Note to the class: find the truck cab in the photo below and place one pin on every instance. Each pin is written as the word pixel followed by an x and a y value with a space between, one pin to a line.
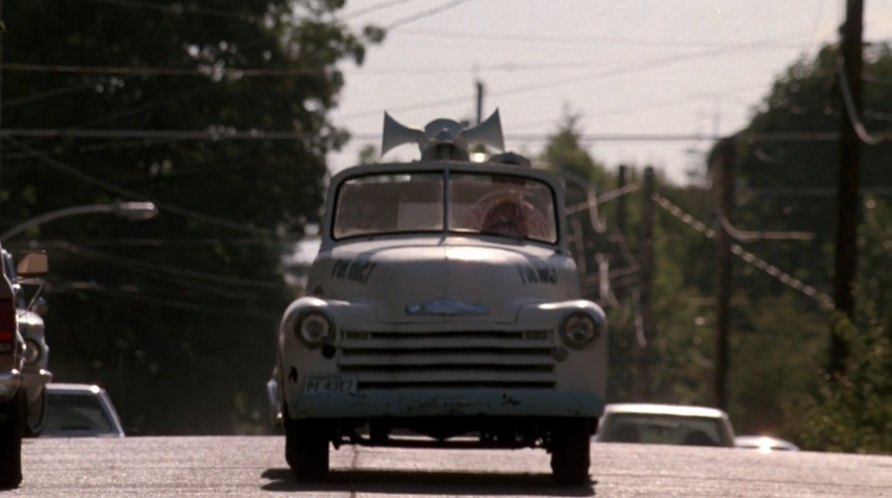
pixel 443 310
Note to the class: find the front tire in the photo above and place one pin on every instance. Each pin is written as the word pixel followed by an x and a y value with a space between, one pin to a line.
pixel 306 449
pixel 11 428
pixel 570 457
pixel 36 416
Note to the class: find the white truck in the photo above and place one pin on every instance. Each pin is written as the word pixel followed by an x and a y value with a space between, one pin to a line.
pixel 442 310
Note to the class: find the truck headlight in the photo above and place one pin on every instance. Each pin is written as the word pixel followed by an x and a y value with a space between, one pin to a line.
pixel 578 330
pixel 313 328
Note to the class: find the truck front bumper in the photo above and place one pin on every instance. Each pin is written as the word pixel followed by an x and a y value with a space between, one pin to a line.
pixel 445 402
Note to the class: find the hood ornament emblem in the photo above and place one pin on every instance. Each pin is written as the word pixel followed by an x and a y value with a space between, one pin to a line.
pixel 446 307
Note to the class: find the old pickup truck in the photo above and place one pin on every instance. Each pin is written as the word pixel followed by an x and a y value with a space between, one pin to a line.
pixel 442 310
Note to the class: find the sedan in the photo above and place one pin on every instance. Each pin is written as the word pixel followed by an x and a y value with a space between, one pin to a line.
pixel 80 410
pixel 665 424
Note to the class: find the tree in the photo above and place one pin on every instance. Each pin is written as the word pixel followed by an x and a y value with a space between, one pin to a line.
pixel 175 315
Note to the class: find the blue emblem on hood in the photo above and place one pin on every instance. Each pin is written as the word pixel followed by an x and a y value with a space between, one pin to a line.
pixel 446 307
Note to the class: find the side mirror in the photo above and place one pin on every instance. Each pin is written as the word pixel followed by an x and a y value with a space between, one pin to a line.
pixel 33 264
pixel 40 306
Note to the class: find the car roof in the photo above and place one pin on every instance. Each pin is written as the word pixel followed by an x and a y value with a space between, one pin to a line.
pixel 68 387
pixel 665 409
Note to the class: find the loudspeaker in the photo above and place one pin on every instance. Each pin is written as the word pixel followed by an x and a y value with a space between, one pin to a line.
pixel 489 132
pixel 396 134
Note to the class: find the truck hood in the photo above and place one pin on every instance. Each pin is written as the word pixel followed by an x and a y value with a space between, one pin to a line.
pixel 432 279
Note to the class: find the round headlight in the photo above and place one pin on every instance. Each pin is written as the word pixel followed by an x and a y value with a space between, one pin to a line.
pixel 314 328
pixel 32 352
pixel 578 330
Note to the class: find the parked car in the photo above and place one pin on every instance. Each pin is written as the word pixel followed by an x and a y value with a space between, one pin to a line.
pixel 665 424
pixel 80 410
pixel 764 444
pixel 35 372
pixel 13 397
pixel 443 302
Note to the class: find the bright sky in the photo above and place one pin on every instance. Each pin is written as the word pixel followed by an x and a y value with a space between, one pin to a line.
pixel 651 67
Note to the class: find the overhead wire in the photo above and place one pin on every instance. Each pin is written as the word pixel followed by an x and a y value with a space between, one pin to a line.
pixel 748 257
pixel 607 73
pixel 852 113
pixel 373 8
pixel 171 270
pixel 123 292
pixel 423 14
pixel 177 9
pixel 116 189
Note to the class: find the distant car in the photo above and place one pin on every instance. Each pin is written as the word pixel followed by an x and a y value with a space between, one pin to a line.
pixel 80 410
pixel 765 444
pixel 665 424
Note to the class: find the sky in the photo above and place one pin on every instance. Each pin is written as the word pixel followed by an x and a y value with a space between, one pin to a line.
pixel 651 68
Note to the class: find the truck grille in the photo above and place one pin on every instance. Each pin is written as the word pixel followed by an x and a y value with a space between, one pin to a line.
pixel 460 359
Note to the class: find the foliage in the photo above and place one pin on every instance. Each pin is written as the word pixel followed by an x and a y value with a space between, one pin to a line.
pixel 852 412
pixel 175 316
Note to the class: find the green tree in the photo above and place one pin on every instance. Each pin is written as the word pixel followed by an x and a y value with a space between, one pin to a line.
pixel 175 316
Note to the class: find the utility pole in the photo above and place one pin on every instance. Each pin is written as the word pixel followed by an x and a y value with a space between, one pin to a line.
pixel 847 200
pixel 479 85
pixel 621 201
pixel 644 329
pixel 723 183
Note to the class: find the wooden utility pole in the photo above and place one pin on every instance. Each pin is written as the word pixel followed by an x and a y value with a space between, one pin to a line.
pixel 644 330
pixel 479 85
pixel 723 184
pixel 848 178
pixel 621 201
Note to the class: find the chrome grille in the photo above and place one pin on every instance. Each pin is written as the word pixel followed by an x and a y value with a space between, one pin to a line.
pixel 448 359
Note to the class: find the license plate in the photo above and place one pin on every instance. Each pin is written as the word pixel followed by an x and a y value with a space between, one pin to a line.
pixel 319 385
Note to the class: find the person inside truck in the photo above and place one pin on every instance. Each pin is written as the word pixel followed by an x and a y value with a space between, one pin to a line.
pixel 507 217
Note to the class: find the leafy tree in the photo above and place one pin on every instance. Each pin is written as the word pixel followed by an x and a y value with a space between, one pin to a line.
pixel 175 316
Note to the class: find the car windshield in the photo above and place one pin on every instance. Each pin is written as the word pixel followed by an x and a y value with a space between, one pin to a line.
pixel 485 203
pixel 662 429
pixel 68 413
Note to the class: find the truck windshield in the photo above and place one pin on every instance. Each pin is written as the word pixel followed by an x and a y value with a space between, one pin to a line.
pixel 512 206
pixel 389 203
pixel 485 203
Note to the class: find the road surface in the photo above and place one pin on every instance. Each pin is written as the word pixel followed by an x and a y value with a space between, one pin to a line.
pixel 255 466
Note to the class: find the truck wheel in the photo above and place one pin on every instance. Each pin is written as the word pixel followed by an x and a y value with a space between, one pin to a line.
pixel 36 415
pixel 306 449
pixel 570 453
pixel 11 442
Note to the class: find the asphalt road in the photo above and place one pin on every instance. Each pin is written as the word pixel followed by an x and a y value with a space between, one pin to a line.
pixel 255 466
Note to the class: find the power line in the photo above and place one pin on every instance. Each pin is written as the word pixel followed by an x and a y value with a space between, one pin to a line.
pixel 166 206
pixel 171 270
pixel 374 8
pixel 176 9
pixel 133 296
pixel 852 112
pixel 619 71
pixel 574 40
pixel 424 14
pixel 209 71
pixel 225 133
pixel 748 257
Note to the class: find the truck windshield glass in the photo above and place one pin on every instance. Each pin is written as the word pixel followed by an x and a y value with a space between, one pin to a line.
pixel 507 205
pixel 389 203
pixel 485 203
